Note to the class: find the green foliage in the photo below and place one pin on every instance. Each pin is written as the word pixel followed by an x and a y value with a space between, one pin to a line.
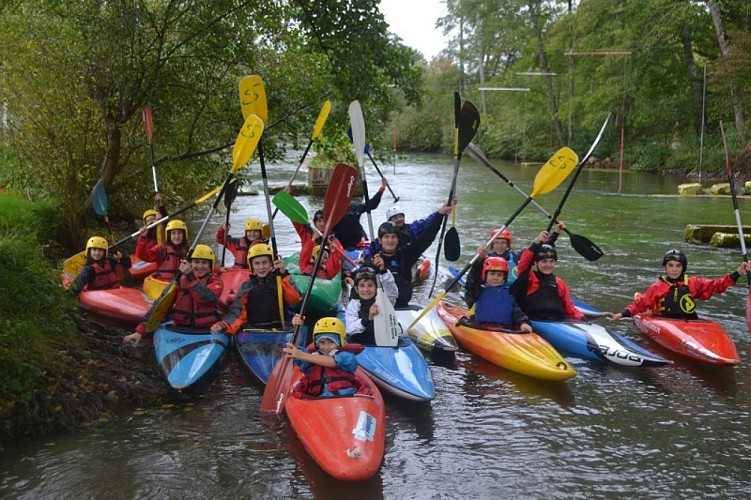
pixel 331 149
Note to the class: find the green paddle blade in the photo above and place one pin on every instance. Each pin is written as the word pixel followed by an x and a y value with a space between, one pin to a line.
pixel 290 207
pixel 99 199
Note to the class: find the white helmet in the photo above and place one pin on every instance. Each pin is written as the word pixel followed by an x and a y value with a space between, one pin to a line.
pixel 393 211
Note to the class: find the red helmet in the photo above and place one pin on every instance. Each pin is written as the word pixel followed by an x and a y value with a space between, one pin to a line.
pixel 504 235
pixel 494 264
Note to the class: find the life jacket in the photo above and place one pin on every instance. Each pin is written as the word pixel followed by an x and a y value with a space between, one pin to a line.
pixel 545 303
pixel 167 269
pixel 105 277
pixel 262 303
pixel 195 313
pixel 678 302
pixel 241 251
pixel 495 305
pixel 334 380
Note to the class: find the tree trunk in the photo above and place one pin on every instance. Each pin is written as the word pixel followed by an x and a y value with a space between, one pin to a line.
pixel 694 81
pixel 481 64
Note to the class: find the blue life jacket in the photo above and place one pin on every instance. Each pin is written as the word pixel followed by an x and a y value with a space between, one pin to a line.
pixel 495 305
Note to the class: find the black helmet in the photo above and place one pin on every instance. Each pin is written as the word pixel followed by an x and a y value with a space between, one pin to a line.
pixel 388 227
pixel 676 255
pixel 318 215
pixel 546 252
pixel 364 273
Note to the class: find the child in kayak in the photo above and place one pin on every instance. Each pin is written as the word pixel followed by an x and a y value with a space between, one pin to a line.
pixel 501 247
pixel 493 301
pixel 198 291
pixel 541 294
pixel 329 266
pixel 674 295
pixel 311 244
pixel 258 303
pixel 329 368
pixel 239 246
pixel 169 254
pixel 100 269
pixel 361 309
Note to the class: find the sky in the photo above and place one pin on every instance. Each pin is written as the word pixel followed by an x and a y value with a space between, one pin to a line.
pixel 414 22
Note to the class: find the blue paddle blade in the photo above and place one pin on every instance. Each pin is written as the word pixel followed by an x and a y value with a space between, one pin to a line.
pixel 99 199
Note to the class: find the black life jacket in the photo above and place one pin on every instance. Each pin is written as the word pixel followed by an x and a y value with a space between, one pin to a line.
pixel 544 304
pixel 262 303
pixel 678 303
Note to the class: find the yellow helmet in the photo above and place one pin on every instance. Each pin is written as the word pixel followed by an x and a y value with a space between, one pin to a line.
pixel 253 225
pixel 203 252
pixel 149 213
pixel 316 249
pixel 258 250
pixel 97 242
pixel 176 224
pixel 332 328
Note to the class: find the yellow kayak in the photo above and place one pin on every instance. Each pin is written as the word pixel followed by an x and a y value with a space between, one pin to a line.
pixel 153 287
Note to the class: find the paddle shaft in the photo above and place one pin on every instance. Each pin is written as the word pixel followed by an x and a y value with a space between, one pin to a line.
pixel 737 212
pixel 393 195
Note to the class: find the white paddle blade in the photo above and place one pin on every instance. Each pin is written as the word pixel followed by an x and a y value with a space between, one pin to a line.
pixel 385 323
pixel 358 130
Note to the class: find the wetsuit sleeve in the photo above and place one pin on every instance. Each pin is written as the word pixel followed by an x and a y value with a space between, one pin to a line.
pixel 389 286
pixel 646 301
pixel 472 288
pixel 422 242
pixel 418 226
pixel 702 288
pixel 85 277
pixel 345 361
pixel 569 309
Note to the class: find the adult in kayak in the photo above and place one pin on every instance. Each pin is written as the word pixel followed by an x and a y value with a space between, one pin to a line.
pixel 197 296
pixel 239 246
pixel 674 295
pixel 348 230
pixel 361 308
pixel 399 259
pixel 407 232
pixel 258 303
pixel 329 369
pixel 493 301
pixel 541 294
pixel 169 254
pixel 100 269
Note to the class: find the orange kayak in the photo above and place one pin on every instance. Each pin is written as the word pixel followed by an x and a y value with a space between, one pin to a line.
pixel 346 435
pixel 525 353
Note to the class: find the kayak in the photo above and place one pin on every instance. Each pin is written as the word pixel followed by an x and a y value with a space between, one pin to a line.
pixel 700 339
pixel 420 270
pixel 594 343
pixel 260 350
pixel 520 352
pixel 123 304
pixel 153 287
pixel 139 269
pixel 400 370
pixel 345 435
pixel 232 279
pixel 430 333
pixel 325 295
pixel 188 356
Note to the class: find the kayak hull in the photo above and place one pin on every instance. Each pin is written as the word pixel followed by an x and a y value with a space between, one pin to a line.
pixel 325 295
pixel 153 287
pixel 430 333
pixel 260 350
pixel 525 353
pixel 140 269
pixel 346 436
pixel 401 370
pixel 123 304
pixel 188 356
pixel 700 340
pixel 594 343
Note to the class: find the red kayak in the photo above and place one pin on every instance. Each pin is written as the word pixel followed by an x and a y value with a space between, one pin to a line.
pixel 420 270
pixel 345 435
pixel 233 280
pixel 698 339
pixel 139 269
pixel 123 304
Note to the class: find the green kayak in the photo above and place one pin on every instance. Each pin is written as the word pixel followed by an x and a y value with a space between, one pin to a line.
pixel 326 293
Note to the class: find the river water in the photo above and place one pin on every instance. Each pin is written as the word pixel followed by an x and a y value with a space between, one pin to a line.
pixel 680 432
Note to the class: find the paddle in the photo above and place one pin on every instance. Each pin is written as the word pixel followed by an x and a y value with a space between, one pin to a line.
pixel 385 323
pixel 99 202
pixel 731 180
pixel 148 130
pixel 367 152
pixel 245 145
pixel 586 248
pixel 338 197
pixel 467 121
pixel 322 116
pixel 550 176
pixel 294 210
pixel 229 197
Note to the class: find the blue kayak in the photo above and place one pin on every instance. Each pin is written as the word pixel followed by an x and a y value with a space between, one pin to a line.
pixel 594 343
pixel 187 356
pixel 400 370
pixel 260 350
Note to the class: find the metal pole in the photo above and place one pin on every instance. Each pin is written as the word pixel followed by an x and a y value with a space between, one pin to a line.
pixel 701 136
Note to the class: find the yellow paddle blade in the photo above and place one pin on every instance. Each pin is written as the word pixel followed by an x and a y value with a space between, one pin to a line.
pixel 73 265
pixel 430 306
pixel 208 195
pixel 322 116
pixel 161 307
pixel 555 170
pixel 253 98
pixel 247 141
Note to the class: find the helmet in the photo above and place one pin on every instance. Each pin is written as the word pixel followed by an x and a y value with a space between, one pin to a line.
pixel 316 249
pixel 97 242
pixel 332 328
pixel 494 264
pixel 676 255
pixel 149 213
pixel 393 211
pixel 387 227
pixel 503 235
pixel 364 273
pixel 203 252
pixel 258 250
pixel 318 215
pixel 176 224
pixel 253 225
pixel 546 252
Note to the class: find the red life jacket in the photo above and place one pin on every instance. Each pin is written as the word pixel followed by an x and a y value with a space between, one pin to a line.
pixel 105 276
pixel 167 269
pixel 334 379
pixel 195 313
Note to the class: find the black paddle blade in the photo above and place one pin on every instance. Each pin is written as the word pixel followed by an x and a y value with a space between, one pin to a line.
pixel 585 247
pixel 469 122
pixel 457 109
pixel 230 194
pixel 451 247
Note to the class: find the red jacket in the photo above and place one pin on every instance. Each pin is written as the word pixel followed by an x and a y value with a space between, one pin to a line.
pixel 195 305
pixel 699 288
pixel 238 246
pixel 334 263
